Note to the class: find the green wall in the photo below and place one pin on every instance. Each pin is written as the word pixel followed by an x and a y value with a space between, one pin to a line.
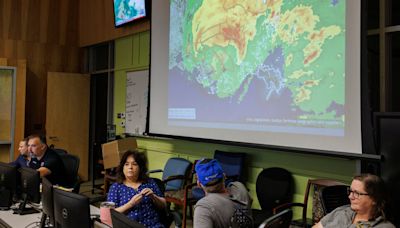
pixel 132 53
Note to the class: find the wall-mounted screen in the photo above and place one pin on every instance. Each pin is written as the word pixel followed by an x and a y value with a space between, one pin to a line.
pixel 126 11
pixel 281 73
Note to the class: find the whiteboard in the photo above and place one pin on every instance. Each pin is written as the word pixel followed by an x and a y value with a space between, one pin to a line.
pixel 137 88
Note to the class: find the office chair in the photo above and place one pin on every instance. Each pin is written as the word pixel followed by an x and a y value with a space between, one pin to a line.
pixel 59 151
pixel 177 174
pixel 274 186
pixel 333 197
pixel 232 163
pixel 280 220
pixel 318 213
pixel 71 166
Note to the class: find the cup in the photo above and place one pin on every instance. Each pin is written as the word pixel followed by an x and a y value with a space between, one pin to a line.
pixel 105 215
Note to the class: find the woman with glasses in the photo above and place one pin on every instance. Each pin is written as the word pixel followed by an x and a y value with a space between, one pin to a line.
pixel 367 206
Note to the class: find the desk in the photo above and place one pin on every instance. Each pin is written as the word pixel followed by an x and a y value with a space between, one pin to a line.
pixel 15 220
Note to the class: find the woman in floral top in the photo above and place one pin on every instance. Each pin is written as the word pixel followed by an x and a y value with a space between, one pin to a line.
pixel 134 193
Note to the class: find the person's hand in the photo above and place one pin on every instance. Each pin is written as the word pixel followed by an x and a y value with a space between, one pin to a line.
pixel 147 192
pixel 136 199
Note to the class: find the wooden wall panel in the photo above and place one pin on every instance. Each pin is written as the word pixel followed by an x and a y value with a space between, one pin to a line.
pixel 96 21
pixel 44 32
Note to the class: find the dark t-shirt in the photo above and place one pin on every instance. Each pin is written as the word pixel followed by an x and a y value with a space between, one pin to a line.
pixel 53 162
pixel 20 162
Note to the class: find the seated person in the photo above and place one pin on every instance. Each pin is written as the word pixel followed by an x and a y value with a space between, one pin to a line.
pixel 219 206
pixel 45 160
pixel 24 155
pixel 366 209
pixel 134 193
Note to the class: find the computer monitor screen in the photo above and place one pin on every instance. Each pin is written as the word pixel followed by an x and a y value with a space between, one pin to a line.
pixel 70 209
pixel 30 190
pixel 8 184
pixel 47 203
pixel 122 221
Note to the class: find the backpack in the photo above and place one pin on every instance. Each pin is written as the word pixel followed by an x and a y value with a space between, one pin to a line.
pixel 242 216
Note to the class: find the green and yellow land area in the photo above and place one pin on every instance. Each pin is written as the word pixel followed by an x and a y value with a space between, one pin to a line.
pixel 286 45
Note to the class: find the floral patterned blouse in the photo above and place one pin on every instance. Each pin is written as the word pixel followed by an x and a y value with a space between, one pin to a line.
pixel 145 212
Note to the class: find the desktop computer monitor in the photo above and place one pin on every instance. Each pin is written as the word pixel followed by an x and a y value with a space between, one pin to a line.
pixel 8 185
pixel 120 220
pixel 30 190
pixel 47 204
pixel 70 209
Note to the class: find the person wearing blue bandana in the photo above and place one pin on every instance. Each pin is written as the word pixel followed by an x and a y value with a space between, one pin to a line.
pixel 221 204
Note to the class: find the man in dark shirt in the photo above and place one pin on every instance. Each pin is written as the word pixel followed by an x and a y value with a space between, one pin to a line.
pixel 45 160
pixel 24 155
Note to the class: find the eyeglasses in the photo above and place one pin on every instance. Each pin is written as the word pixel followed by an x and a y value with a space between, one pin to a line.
pixel 356 194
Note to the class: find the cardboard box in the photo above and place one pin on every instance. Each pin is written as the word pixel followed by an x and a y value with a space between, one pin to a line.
pixel 113 151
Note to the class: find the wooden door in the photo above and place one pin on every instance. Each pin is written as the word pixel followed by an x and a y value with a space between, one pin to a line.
pixel 67 115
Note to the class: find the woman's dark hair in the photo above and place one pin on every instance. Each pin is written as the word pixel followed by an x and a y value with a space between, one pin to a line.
pixel 375 187
pixel 140 159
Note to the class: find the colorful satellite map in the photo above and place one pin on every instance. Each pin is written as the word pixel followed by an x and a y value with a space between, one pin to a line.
pixel 285 56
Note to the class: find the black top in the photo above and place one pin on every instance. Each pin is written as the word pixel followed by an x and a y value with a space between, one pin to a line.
pixel 53 162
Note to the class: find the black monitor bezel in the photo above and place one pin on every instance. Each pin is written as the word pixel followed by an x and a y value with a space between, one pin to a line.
pixel 47 203
pixel 8 183
pixel 30 190
pixel 70 206
pixel 30 184
pixel 10 173
pixel 122 221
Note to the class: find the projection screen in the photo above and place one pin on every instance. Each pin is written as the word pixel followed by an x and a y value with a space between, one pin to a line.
pixel 280 73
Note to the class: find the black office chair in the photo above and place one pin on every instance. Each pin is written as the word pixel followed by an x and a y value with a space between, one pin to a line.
pixel 71 165
pixel 167 216
pixel 274 186
pixel 333 197
pixel 232 164
pixel 280 220
pixel 59 151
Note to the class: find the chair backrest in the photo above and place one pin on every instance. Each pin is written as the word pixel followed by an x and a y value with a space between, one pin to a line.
pixel 317 185
pixel 176 167
pixel 71 164
pixel 165 216
pixel 274 186
pixel 232 164
pixel 333 197
pixel 280 220
pixel 60 151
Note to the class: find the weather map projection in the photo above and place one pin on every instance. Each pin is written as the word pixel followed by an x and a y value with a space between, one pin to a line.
pixel 128 10
pixel 264 65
